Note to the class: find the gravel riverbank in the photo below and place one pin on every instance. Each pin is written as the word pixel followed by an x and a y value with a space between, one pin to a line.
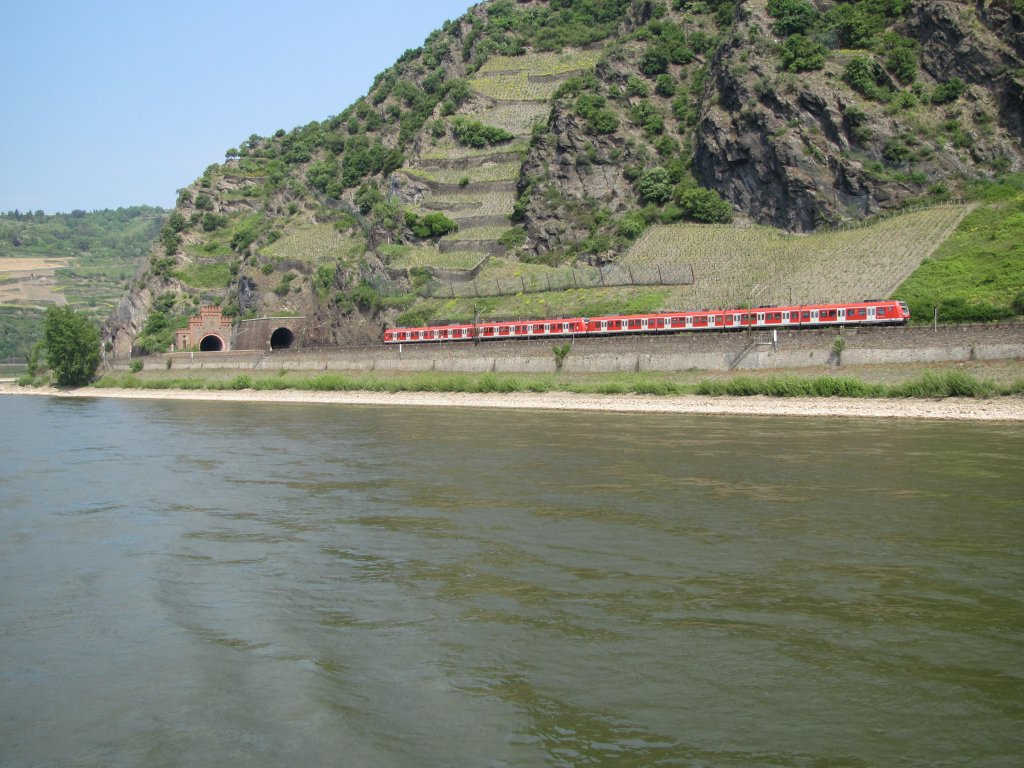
pixel 962 409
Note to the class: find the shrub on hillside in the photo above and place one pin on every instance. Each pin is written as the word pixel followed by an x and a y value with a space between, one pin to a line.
pixel 792 16
pixel 801 54
pixel 704 205
pixel 473 133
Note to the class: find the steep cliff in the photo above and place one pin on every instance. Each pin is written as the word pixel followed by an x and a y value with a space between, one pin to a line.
pixel 552 132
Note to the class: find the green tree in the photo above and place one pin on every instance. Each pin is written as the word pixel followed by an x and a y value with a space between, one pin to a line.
pixel 801 54
pixel 72 346
pixel 792 16
pixel 655 186
pixel 704 205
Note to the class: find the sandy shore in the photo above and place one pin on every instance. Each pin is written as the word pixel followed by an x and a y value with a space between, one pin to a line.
pixel 961 409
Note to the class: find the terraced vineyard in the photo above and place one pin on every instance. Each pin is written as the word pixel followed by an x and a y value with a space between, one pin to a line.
pixel 485 171
pixel 475 187
pixel 408 256
pixel 760 265
pixel 732 266
pixel 314 244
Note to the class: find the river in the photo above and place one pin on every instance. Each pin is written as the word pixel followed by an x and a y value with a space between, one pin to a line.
pixel 239 584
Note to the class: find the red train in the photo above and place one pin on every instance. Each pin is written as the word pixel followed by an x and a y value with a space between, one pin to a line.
pixel 759 318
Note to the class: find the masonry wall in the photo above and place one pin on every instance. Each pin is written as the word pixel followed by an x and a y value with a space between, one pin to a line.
pixel 713 351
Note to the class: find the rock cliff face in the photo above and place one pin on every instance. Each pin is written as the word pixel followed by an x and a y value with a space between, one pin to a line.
pixel 983 45
pixel 784 150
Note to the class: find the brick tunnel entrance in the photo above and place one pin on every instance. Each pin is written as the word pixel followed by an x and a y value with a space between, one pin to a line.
pixel 282 338
pixel 211 343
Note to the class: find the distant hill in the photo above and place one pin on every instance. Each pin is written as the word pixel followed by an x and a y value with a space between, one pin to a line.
pixel 83 259
pixel 538 136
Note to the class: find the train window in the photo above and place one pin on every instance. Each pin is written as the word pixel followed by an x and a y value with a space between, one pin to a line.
pixel 807 315
pixel 880 311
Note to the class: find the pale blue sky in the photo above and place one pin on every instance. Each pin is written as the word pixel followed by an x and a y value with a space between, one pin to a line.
pixel 114 103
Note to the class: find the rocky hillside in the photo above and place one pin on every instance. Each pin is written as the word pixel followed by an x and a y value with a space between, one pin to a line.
pixel 547 134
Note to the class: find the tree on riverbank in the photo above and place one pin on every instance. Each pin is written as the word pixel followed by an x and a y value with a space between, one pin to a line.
pixel 72 346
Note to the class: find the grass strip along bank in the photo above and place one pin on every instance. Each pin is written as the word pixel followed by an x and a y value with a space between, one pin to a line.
pixel 929 385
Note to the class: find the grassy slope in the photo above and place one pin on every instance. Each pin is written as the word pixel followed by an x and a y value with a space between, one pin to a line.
pixel 978 272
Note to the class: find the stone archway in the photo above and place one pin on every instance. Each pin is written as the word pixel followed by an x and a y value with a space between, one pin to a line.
pixel 211 343
pixel 282 338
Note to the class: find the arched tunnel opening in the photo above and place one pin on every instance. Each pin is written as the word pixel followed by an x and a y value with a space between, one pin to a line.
pixel 211 344
pixel 282 338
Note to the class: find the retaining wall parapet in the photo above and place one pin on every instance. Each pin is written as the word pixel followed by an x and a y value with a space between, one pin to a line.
pixel 705 350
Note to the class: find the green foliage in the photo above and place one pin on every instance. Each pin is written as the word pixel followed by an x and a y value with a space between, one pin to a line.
pixel 431 225
pixel 246 231
pixel 20 329
pixel 704 205
pixel 801 54
pixel 864 75
pixel 790 386
pixel 170 240
pixel 508 27
pixel 947 92
pixel 367 196
pixel 213 221
pixel 323 175
pixel 655 186
pixel 637 87
pixel 646 115
pixel 929 385
pixel 72 346
pixel 665 85
pixel 513 238
pixel 590 106
pixel 205 275
pixel 654 61
pixel 901 59
pixel 977 273
pixel 361 159
pixel 366 297
pixel 472 133
pixel 631 226
pixel 323 279
pixel 792 16
pixel 415 317
pixel 561 352
pixel 855 25
pixel 285 286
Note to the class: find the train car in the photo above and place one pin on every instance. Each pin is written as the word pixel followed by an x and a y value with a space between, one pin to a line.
pixel 869 312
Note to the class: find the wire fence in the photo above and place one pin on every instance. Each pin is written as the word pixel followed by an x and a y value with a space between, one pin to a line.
pixel 614 275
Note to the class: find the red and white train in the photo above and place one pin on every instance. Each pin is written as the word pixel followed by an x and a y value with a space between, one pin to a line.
pixel 759 318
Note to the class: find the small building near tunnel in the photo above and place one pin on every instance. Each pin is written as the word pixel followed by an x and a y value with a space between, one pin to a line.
pixel 209 331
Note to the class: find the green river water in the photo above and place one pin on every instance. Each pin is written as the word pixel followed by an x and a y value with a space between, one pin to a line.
pixel 230 584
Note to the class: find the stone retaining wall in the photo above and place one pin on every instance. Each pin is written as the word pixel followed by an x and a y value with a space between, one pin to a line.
pixel 713 351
